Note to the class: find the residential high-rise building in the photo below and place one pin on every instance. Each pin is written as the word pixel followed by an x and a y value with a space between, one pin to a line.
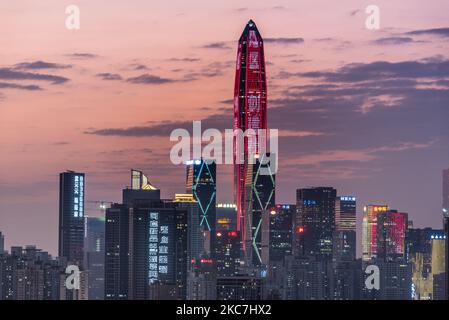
pixel 281 231
pixel 369 230
pixel 94 256
pixel 250 112
pixel 314 222
pixel 201 183
pixel 71 216
pixel 30 274
pixel 239 287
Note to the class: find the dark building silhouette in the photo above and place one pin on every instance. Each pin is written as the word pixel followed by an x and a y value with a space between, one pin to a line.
pixel 94 256
pixel 71 216
pixel 314 222
pixel 281 231
pixel 116 263
pixel 239 288
pixel 227 253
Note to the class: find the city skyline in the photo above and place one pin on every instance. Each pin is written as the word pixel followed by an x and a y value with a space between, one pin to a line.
pixel 380 144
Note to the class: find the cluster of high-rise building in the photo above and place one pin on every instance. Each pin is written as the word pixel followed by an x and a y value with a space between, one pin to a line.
pixel 193 248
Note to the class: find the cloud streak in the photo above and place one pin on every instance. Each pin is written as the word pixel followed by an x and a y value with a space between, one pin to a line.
pixel 284 41
pixel 11 74
pixel 149 79
pixel 36 65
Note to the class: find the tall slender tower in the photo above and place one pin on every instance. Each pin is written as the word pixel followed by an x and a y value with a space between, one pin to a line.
pixel 250 112
pixel 71 216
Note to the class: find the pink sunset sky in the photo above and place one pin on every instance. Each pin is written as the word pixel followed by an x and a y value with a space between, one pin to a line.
pixel 362 110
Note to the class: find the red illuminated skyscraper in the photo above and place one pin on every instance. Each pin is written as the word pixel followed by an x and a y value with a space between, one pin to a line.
pixel 250 112
pixel 391 233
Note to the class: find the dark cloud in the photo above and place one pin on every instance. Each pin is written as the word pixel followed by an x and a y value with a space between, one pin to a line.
pixel 149 79
pixel 41 65
pixel 138 66
pixel 6 85
pixel 394 40
pixel 327 39
pixel 214 69
pixel 432 68
pixel 284 41
pixel 184 59
pixel 82 55
pixel 11 74
pixel 164 129
pixel 109 76
pixel 216 45
pixel 442 32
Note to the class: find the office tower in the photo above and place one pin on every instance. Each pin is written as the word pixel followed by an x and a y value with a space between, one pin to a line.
pixel 345 229
pixel 281 228
pixel 438 266
pixel 262 184
pixel 71 216
pixel 346 278
pixel 226 216
pixel 280 247
pixel 201 183
pixel 239 288
pixel 157 251
pixel 227 253
pixel 94 256
pixel 391 235
pixel 369 231
pixel 314 225
pixel 314 222
pixel 141 189
pixel 197 242
pixel 250 112
pixel 116 262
